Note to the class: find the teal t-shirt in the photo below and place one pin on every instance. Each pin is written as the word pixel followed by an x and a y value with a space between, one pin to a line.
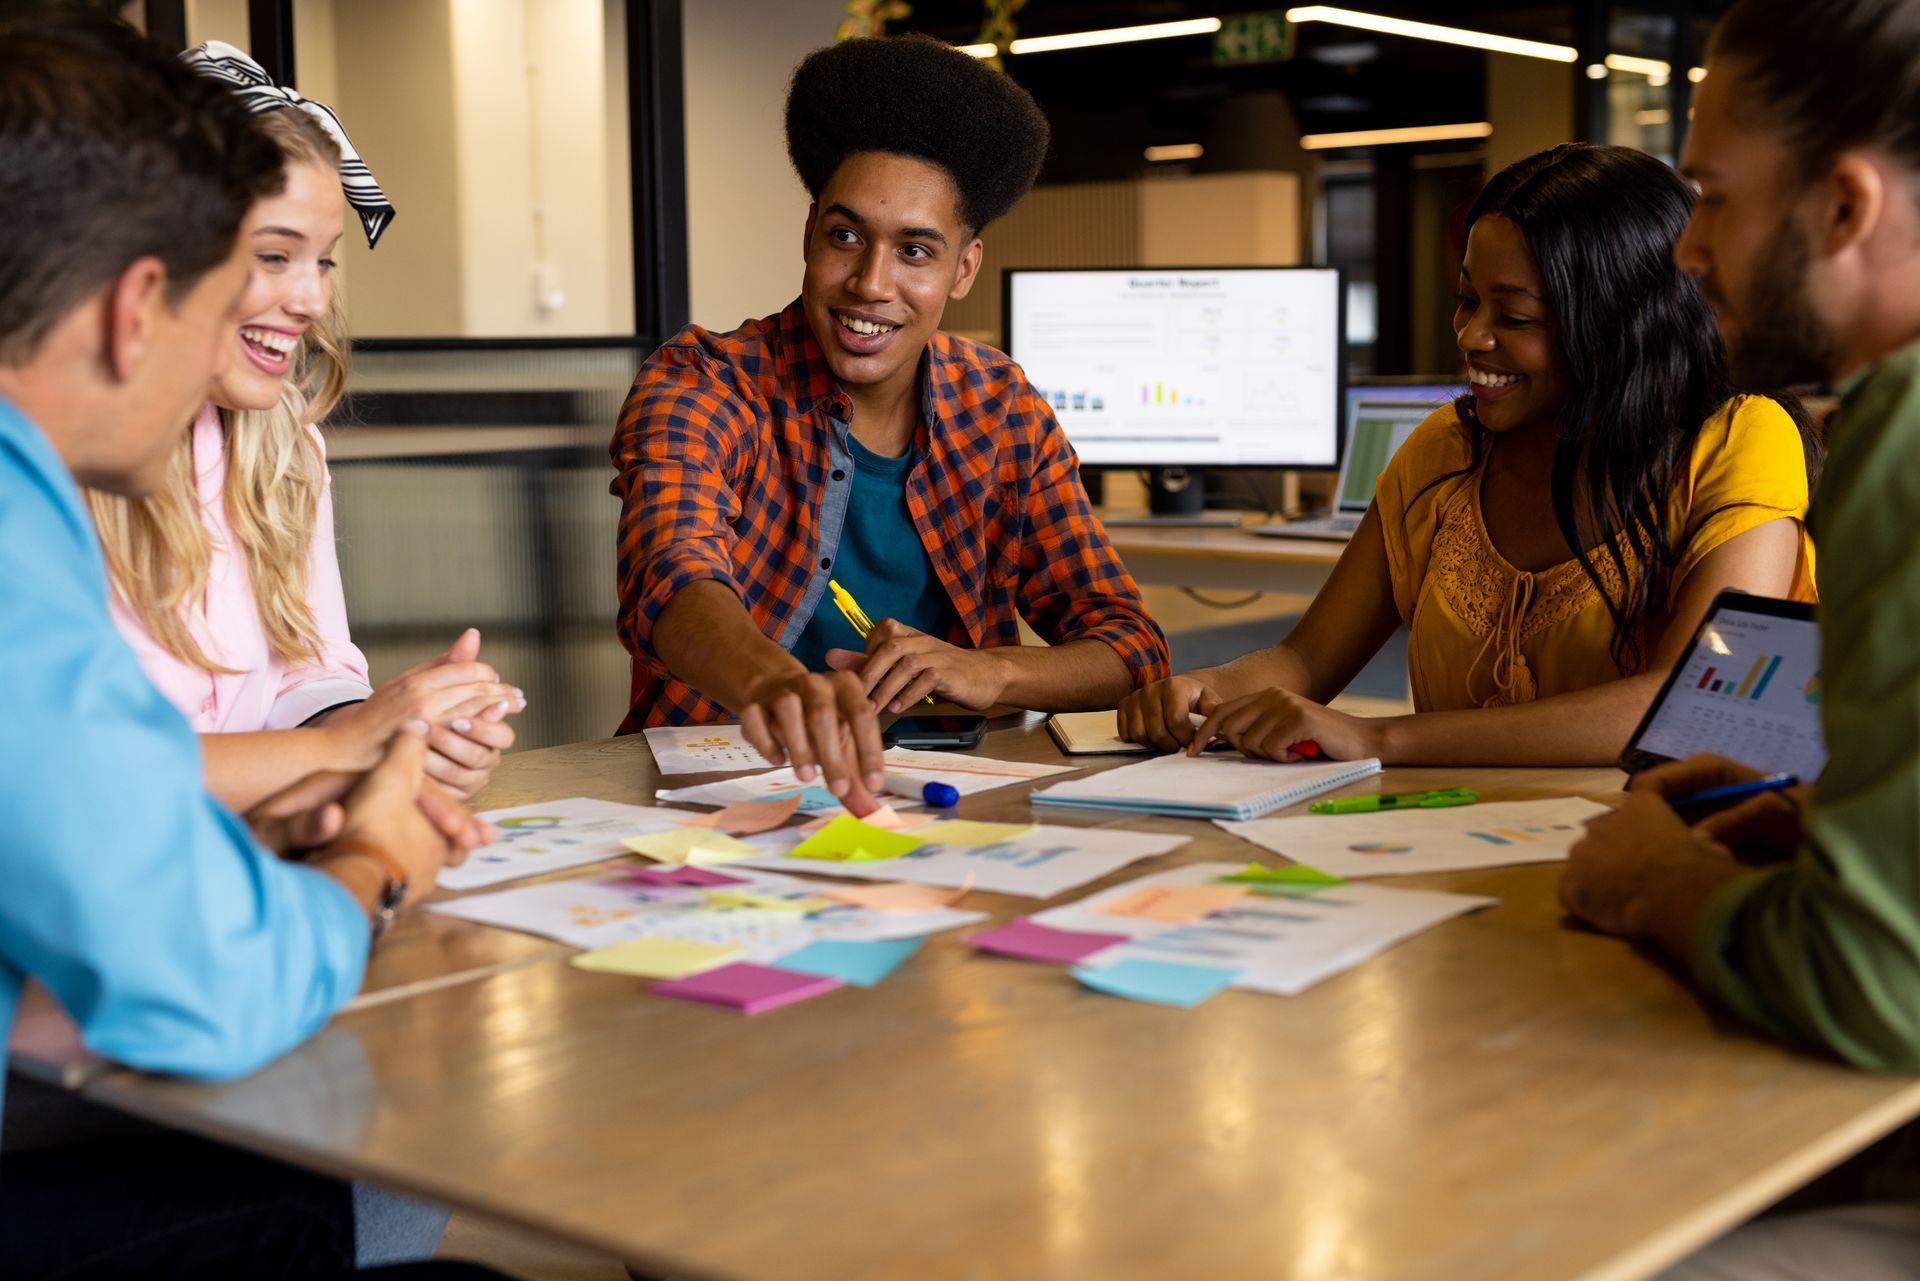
pixel 880 561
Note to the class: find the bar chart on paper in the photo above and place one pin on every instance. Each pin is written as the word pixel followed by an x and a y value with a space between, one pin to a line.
pixel 1751 691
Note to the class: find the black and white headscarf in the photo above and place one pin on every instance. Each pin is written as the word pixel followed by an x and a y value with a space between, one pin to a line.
pixel 256 88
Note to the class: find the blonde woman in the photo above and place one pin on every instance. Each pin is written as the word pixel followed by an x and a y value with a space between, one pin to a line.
pixel 226 582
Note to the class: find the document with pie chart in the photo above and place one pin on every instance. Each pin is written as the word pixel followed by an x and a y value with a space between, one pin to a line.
pixel 1402 842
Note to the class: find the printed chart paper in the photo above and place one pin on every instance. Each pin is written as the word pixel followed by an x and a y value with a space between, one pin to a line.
pixel 1401 842
pixel 965 774
pixel 1280 943
pixel 1039 863
pixel 597 912
pixel 553 835
pixel 700 749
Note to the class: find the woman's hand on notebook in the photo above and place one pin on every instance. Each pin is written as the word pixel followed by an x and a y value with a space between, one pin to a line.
pixel 1271 722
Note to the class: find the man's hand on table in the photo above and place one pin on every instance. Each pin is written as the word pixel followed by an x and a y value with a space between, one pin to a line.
pixel 901 666
pixel 1641 871
pixel 822 725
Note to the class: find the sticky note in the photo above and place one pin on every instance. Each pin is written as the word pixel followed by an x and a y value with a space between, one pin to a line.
pixel 896 896
pixel 960 831
pixel 1033 942
pixel 690 845
pixel 747 987
pixel 848 840
pixel 748 818
pixel 1177 903
pixel 1160 982
pixel 813 800
pixel 1299 874
pixel 653 956
pixel 763 902
pixel 683 875
pixel 861 964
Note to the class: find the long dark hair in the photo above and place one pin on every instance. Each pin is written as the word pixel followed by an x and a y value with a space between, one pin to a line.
pixel 1644 363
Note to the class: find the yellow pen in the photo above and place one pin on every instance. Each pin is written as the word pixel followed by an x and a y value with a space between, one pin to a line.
pixel 857 617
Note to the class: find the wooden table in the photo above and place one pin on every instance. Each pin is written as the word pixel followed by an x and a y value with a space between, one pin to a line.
pixel 1225 559
pixel 1501 1097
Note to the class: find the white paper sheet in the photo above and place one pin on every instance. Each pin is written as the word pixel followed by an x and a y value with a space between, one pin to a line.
pixel 593 912
pixel 698 749
pixel 966 774
pixel 1281 943
pixel 552 835
pixel 1039 863
pixel 1402 842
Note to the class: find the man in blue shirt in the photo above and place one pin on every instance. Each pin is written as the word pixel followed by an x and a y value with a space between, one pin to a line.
pixel 173 938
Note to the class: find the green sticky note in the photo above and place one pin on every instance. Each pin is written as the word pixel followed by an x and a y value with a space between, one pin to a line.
pixel 848 840
pixel 1291 877
pixel 654 956
pixel 691 846
pixel 959 831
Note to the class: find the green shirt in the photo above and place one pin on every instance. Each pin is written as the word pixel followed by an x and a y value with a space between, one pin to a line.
pixel 1824 950
pixel 880 561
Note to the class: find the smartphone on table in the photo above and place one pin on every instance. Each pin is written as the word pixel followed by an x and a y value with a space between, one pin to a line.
pixel 935 732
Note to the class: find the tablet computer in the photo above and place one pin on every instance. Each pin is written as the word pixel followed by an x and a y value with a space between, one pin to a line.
pixel 1748 688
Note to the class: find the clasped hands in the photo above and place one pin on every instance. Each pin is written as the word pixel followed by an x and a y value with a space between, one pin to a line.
pixel 826 724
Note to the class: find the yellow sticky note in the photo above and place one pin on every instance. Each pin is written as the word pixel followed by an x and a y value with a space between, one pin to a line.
pixel 654 956
pixel 690 845
pixel 960 831
pixel 1178 903
pixel 765 902
pixel 848 840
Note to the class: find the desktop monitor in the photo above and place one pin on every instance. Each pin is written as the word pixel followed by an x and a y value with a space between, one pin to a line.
pixel 1177 367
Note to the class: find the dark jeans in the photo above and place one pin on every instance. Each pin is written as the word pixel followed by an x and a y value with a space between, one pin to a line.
pixel 169 1206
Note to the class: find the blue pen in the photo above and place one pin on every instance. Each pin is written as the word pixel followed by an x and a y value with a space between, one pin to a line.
pixel 942 796
pixel 1736 791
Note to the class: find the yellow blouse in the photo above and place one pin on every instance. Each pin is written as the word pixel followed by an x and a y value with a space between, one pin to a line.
pixel 1484 633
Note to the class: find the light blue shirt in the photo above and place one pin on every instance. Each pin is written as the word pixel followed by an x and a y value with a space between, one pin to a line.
pixel 175 941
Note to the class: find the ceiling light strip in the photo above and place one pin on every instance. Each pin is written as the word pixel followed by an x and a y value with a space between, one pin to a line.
pixel 1176 151
pixel 1115 35
pixel 1389 137
pixel 1432 31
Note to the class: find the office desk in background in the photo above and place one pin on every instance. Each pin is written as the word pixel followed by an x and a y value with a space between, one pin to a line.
pixel 1232 560
pixel 1500 1097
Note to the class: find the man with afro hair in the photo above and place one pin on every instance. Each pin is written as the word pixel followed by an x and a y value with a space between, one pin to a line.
pixel 848 439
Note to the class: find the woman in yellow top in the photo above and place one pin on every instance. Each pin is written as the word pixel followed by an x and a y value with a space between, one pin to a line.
pixel 1552 539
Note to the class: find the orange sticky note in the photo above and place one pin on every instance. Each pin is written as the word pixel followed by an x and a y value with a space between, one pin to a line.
pixel 747 818
pixel 897 896
pixel 1175 903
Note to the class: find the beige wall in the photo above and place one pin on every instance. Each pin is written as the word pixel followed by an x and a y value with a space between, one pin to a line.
pixel 745 208
pixel 1529 104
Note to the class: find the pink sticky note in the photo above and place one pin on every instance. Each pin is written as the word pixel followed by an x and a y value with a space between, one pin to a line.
pixel 747 987
pixel 688 875
pixel 1032 942
pixel 747 818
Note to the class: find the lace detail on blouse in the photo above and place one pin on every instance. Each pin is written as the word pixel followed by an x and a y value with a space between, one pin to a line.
pixel 1508 608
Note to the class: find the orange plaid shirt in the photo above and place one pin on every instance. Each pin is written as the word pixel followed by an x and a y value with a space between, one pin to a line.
pixel 733 466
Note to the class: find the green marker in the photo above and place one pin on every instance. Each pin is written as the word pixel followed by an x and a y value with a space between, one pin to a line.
pixel 1436 800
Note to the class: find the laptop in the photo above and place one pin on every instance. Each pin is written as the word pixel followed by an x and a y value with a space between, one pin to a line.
pixel 1748 688
pixel 1379 418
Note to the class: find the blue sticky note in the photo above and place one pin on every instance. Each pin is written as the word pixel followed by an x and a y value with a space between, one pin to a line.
pixel 1160 982
pixel 861 964
pixel 813 800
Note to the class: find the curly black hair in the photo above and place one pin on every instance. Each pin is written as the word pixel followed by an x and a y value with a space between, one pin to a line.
pixel 920 97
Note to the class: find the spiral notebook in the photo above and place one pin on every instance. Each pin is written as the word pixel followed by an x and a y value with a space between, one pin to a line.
pixel 1229 787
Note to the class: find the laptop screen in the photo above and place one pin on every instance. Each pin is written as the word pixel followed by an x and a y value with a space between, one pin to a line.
pixel 1378 420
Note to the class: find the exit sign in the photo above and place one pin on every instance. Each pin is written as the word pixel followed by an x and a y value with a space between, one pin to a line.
pixel 1253 37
